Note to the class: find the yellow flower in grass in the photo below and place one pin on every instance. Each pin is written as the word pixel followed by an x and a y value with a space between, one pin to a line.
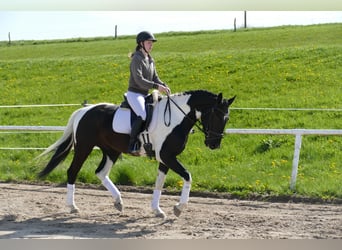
pixel 283 161
pixel 332 166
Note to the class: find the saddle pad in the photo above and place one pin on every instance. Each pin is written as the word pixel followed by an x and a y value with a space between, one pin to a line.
pixel 122 121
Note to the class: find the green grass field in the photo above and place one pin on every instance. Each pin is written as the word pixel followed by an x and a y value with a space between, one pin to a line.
pixel 282 67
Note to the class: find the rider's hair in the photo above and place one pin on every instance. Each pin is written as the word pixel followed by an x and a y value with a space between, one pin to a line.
pixel 131 54
pixel 138 47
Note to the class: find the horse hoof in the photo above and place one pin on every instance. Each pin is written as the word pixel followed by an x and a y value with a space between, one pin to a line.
pixel 118 206
pixel 177 209
pixel 74 210
pixel 159 214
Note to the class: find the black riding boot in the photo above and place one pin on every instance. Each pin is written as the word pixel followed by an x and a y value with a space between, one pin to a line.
pixel 133 147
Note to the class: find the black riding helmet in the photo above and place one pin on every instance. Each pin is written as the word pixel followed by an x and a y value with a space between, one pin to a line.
pixel 145 36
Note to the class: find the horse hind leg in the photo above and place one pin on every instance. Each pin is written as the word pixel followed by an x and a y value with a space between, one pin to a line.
pixel 79 158
pixel 71 198
pixel 102 172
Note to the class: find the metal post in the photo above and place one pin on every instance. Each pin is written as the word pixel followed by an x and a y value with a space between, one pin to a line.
pixel 245 14
pixel 298 144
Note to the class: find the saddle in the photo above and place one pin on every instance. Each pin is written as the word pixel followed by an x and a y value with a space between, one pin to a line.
pixel 149 106
pixel 150 101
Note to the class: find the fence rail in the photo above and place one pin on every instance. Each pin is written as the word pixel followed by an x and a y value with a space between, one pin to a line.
pixel 298 142
pixel 33 128
pixel 298 133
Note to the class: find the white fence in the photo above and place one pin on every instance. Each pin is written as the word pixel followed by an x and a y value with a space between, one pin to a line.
pixel 297 132
pixel 298 142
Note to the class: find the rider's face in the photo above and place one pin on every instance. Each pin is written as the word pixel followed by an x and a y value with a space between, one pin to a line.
pixel 148 46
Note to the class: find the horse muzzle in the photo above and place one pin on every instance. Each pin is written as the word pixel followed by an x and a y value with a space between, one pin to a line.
pixel 213 140
pixel 212 144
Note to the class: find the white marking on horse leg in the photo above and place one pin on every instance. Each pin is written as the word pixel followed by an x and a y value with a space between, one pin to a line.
pixel 105 170
pixel 109 185
pixel 156 195
pixel 160 180
pixel 155 204
pixel 185 192
pixel 118 204
pixel 71 198
pixel 111 188
pixel 184 198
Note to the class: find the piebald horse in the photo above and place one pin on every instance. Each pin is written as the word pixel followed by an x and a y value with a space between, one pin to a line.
pixel 173 119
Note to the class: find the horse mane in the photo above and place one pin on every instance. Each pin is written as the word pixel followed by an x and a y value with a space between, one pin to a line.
pixel 199 92
pixel 198 95
pixel 195 93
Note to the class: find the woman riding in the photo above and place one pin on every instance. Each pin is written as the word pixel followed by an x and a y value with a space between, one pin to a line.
pixel 143 77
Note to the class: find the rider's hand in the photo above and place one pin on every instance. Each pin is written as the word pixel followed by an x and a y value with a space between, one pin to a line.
pixel 164 89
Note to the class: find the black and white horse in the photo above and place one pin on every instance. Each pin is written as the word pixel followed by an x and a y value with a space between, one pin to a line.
pixel 173 118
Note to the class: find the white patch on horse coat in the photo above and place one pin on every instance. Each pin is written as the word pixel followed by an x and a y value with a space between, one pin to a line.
pixel 198 114
pixel 80 114
pixel 157 131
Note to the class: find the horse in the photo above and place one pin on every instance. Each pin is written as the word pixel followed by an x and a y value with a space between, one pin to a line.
pixel 172 121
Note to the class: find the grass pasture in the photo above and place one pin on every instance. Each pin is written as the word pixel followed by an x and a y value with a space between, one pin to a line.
pixel 282 67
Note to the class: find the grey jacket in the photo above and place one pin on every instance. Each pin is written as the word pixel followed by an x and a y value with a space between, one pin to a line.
pixel 143 74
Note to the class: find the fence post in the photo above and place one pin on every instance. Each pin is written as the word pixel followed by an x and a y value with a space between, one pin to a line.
pixel 245 14
pixel 298 144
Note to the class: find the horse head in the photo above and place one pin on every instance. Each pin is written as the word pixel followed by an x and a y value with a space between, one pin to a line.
pixel 214 119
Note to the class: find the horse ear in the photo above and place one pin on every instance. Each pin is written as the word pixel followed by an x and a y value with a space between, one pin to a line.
pixel 219 98
pixel 231 100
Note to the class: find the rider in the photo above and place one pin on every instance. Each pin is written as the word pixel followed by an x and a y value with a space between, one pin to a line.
pixel 143 77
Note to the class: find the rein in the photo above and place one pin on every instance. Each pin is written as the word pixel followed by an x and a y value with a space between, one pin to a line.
pixel 168 109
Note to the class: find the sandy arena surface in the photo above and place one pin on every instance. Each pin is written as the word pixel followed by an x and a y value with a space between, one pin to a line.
pixel 38 211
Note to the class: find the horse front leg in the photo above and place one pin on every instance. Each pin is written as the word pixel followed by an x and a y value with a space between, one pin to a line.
pixel 157 191
pixel 184 198
pixel 173 163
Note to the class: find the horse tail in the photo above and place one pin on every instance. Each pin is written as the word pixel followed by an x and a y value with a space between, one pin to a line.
pixel 61 147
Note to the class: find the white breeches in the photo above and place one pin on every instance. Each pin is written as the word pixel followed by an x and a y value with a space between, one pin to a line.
pixel 137 102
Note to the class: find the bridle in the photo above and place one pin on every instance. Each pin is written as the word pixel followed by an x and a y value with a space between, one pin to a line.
pixel 207 132
pixel 214 137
